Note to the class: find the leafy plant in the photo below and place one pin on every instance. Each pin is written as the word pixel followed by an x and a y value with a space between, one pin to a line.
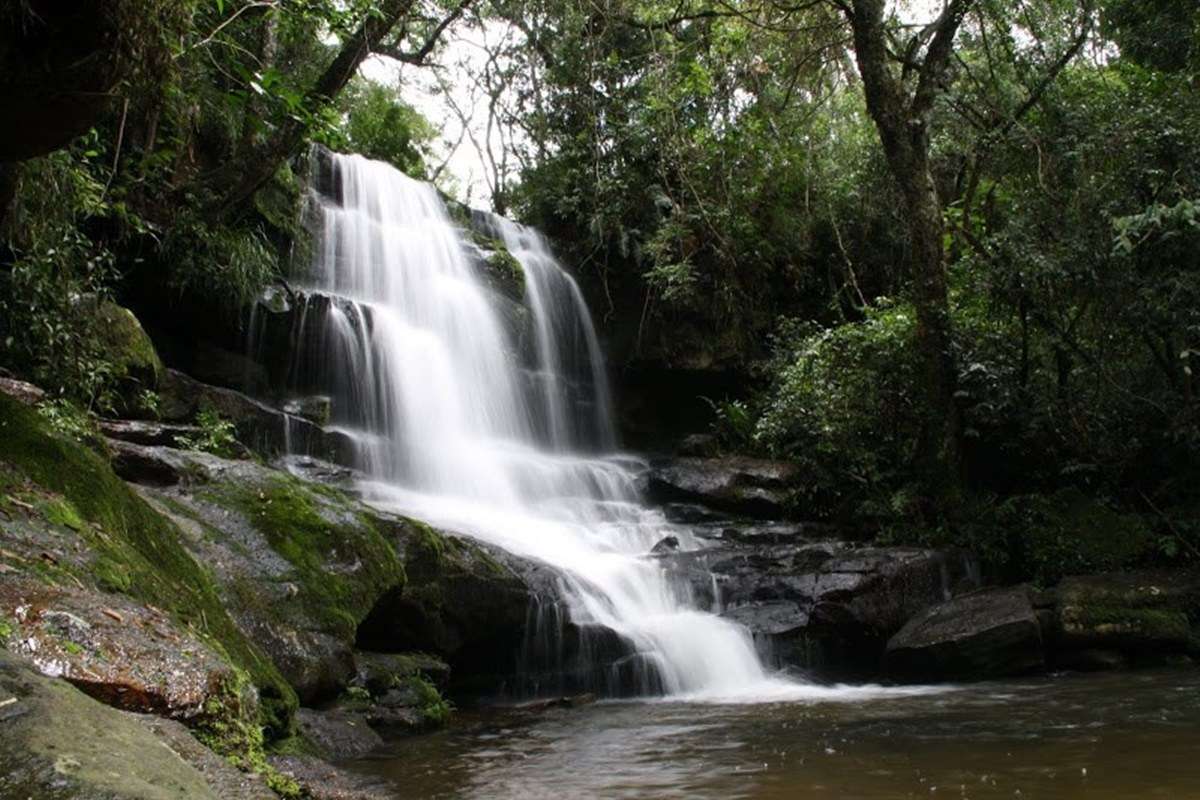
pixel 217 435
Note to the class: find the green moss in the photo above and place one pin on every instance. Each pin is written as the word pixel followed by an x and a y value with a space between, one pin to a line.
pixel 61 512
pixel 138 550
pixel 311 527
pixel 126 345
pixel 1151 623
pixel 227 730
pixel 435 709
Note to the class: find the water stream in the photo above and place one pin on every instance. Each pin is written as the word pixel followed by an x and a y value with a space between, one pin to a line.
pixel 457 427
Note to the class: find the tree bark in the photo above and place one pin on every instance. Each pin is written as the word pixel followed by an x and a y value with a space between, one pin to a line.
pixel 902 118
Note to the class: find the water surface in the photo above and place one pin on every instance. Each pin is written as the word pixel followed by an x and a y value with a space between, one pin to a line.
pixel 1121 735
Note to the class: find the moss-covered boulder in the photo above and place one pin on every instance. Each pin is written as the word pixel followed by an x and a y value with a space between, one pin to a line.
pixel 128 349
pixel 60 744
pixel 298 565
pixel 69 521
pixel 1144 615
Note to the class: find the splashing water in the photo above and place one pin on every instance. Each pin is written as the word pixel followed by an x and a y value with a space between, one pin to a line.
pixel 453 429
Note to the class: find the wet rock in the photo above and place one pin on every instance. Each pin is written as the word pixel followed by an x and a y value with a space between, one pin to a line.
pixel 320 780
pixel 259 426
pixel 667 544
pixel 691 513
pixel 464 601
pixel 298 565
pixel 827 606
pixel 339 733
pixel 316 409
pixel 753 487
pixel 1140 612
pixel 987 634
pixel 60 744
pixel 121 653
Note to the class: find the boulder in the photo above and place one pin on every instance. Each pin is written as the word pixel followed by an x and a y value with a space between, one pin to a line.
pixel 1143 614
pixel 60 744
pixel 298 565
pixel 127 347
pixel 992 633
pixel 753 487
pixel 338 734
pixel 827 606
pixel 124 654
pixel 320 780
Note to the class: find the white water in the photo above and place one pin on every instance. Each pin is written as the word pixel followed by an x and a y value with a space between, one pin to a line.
pixel 454 430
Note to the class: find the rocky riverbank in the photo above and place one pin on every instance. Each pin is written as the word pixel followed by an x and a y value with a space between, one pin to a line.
pixel 235 625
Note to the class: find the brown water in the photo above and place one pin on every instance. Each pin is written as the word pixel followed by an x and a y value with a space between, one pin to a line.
pixel 1120 735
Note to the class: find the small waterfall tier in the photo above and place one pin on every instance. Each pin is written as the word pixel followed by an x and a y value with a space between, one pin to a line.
pixel 496 422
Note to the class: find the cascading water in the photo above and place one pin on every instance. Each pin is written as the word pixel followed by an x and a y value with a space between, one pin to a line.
pixel 453 428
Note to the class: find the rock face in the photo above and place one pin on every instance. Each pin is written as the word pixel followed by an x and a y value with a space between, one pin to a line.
pixel 826 606
pixel 1143 614
pixel 59 744
pixel 987 634
pixel 753 487
pixel 321 781
pixel 121 653
pixel 259 426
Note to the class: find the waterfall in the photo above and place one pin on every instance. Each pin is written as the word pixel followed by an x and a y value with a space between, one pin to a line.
pixel 456 426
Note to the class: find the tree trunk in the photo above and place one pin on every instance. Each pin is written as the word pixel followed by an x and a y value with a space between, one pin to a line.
pixel 243 176
pixel 902 118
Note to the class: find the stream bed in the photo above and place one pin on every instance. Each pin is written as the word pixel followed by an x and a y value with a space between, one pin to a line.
pixel 1115 735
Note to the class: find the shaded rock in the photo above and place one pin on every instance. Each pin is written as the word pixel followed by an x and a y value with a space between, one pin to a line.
pixel 60 744
pixel 323 781
pixel 753 487
pixel 466 602
pixel 1138 612
pixel 153 466
pixel 378 672
pixel 987 634
pixel 262 428
pixel 123 654
pixel 339 733
pixel 667 544
pixel 1091 660
pixel 128 349
pixel 145 432
pixel 699 445
pixel 26 393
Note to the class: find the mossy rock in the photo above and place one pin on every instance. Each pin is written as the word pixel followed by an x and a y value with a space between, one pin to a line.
pixel 1142 613
pixel 299 565
pixel 59 744
pixel 127 345
pixel 125 545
